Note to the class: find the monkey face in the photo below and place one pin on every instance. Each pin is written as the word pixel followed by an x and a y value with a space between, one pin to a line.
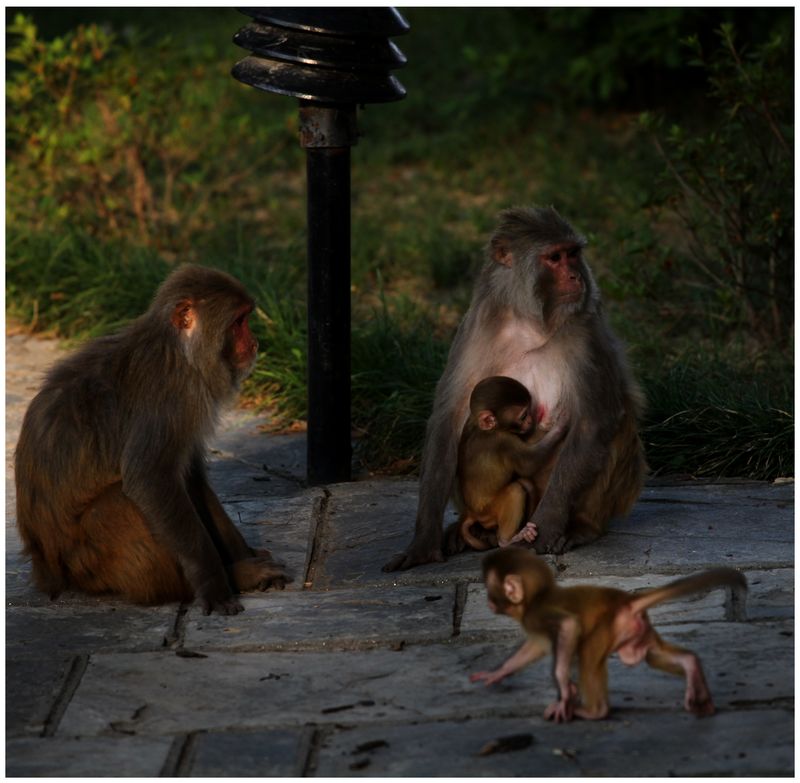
pixel 561 269
pixel 496 597
pixel 242 345
pixel 519 419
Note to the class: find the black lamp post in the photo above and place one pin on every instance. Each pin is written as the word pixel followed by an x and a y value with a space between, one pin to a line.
pixel 332 59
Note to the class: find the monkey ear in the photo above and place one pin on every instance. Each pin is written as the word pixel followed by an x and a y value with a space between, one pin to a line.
pixel 501 252
pixel 487 420
pixel 184 316
pixel 513 588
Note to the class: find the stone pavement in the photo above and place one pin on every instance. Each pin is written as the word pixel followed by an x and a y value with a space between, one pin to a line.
pixel 353 672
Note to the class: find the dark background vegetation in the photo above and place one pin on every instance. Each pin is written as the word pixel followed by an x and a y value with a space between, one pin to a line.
pixel 665 134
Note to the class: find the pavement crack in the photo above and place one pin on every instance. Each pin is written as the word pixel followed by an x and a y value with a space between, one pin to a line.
pixel 319 522
pixel 459 605
pixel 179 760
pixel 175 636
pixel 70 684
pixel 311 744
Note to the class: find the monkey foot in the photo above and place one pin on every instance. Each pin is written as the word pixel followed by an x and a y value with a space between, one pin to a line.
pixel 702 708
pixel 228 606
pixel 259 573
pixel 415 556
pixel 526 535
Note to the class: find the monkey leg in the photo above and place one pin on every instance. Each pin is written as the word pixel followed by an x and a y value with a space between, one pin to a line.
pixel 580 531
pixel 453 542
pixel 616 488
pixel 593 679
pixel 116 553
pixel 507 510
pixel 45 552
pixel 679 661
pixel 248 568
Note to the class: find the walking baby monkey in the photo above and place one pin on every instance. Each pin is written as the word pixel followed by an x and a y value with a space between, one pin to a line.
pixel 496 464
pixel 589 623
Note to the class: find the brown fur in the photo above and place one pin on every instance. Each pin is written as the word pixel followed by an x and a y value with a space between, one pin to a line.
pixel 536 316
pixel 587 624
pixel 112 494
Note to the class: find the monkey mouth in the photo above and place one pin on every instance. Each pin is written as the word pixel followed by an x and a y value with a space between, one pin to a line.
pixel 570 296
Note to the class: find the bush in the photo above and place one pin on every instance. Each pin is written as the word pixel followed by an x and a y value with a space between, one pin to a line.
pixel 731 189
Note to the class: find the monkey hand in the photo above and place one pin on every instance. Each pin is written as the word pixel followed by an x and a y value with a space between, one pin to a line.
pixel 488 678
pixel 560 711
pixel 259 573
pixel 563 710
pixel 418 553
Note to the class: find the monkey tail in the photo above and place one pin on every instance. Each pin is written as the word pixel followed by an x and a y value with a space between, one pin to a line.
pixel 696 583
pixel 466 534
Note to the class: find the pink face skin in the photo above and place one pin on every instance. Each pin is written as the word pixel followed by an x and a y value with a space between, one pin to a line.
pixel 564 261
pixel 245 344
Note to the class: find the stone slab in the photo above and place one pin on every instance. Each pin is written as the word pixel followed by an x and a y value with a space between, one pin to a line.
pixel 755 743
pixel 33 684
pixel 162 693
pixel 268 753
pixel 671 527
pixel 366 524
pixel 731 492
pixel 341 619
pixel 246 461
pixel 83 627
pixel 770 594
pixel 88 757
pixel 284 525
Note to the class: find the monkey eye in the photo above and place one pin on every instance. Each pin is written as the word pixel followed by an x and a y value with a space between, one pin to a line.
pixel 555 257
pixel 574 252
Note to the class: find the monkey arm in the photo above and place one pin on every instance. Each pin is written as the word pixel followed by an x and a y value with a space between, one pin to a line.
pixel 564 648
pixel 225 534
pixel 534 648
pixel 527 459
pixel 173 519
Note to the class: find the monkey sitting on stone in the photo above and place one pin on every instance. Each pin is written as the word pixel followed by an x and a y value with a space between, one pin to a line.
pixel 498 468
pixel 112 491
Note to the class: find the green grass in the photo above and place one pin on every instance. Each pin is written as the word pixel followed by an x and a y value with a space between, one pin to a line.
pixel 490 121
pixel 714 421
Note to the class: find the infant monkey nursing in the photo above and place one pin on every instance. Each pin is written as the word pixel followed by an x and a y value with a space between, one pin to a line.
pixel 502 472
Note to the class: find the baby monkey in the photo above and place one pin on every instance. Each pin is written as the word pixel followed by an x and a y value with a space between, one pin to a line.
pixel 496 464
pixel 589 623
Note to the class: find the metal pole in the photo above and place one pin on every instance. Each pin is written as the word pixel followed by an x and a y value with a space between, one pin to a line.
pixel 327 133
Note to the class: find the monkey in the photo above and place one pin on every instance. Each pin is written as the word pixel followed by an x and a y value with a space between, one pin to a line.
pixel 586 624
pixel 494 462
pixel 112 491
pixel 536 316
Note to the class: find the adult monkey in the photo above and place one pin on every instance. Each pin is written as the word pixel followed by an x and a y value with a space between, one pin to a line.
pixel 112 494
pixel 536 316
